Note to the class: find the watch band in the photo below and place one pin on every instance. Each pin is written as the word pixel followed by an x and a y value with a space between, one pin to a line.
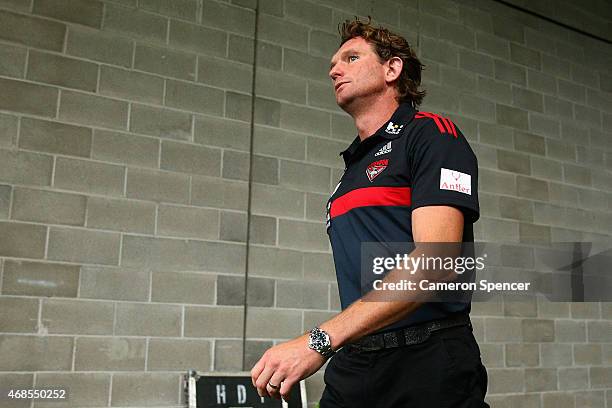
pixel 327 352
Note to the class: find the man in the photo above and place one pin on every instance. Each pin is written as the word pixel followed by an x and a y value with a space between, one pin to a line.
pixel 410 177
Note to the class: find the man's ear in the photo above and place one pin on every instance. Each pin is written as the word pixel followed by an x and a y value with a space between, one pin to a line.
pixel 394 69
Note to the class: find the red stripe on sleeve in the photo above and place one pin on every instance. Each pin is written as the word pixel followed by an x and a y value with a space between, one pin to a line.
pixel 435 118
pixel 370 196
pixel 447 124
pixel 453 127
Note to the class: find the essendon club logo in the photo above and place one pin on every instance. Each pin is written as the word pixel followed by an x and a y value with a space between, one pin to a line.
pixel 375 168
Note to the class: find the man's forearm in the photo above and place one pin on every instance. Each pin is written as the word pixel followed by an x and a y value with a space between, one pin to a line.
pixel 365 317
pixel 380 308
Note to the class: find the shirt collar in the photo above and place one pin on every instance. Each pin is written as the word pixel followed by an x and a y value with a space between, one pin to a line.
pixel 392 129
pixel 400 118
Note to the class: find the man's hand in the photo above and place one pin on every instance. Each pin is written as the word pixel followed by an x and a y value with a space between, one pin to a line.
pixel 285 364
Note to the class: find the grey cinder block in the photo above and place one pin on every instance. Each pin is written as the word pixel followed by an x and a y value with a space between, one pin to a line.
pixel 219 193
pixel 525 56
pixel 265 169
pixel 540 379
pixel 48 207
pixel 304 177
pixel 86 246
pixel 283 32
pixel 120 83
pixel 235 165
pixel 223 73
pixel 74 316
pixel 121 215
pixel 221 132
pixel 179 355
pixel 287 263
pixel 151 252
pixel 157 186
pixel 163 123
pixel 25 97
pixel 272 84
pixel 13 61
pixel 8 130
pixel 513 162
pixel 194 98
pixel 40 279
pixel 165 61
pixel 192 159
pixel 99 46
pixel 576 378
pixel 197 38
pixel 19 315
pixel 233 226
pixel 305 120
pixel 89 176
pixel 532 188
pixel 277 201
pixel 22 240
pixel 35 353
pixel 123 148
pixel 184 9
pixel 32 31
pixel 100 282
pixel 183 287
pixel 109 354
pixel 505 380
pixel 538 330
pixel 285 323
pixel 228 17
pixel 135 23
pixel 279 143
pixel 54 137
pixel 191 222
pixel 522 355
pixel 228 355
pixel 93 110
pixel 145 389
pixel 83 12
pixel 502 330
pixel 146 319
pixel 302 295
pixel 213 321
pixel 302 235
pixel 66 72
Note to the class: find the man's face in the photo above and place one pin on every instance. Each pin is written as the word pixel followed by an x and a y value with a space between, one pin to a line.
pixel 356 71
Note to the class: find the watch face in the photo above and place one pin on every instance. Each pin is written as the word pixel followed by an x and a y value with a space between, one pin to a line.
pixel 318 340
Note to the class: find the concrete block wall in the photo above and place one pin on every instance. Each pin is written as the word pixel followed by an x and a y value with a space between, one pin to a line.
pixel 125 131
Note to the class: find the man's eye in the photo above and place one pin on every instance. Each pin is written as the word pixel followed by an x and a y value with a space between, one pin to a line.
pixel 353 58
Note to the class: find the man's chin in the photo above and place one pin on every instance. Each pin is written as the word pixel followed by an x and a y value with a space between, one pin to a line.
pixel 344 102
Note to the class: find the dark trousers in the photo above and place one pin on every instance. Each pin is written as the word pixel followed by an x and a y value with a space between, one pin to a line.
pixel 445 371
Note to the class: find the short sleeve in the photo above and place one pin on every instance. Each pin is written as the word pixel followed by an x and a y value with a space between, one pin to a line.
pixel 444 170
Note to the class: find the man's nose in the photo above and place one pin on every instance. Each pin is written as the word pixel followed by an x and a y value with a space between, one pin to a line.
pixel 334 72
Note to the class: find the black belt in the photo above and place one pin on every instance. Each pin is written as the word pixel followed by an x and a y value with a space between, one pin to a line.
pixel 408 335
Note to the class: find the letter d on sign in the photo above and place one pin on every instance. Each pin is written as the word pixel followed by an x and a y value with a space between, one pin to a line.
pixel 242 393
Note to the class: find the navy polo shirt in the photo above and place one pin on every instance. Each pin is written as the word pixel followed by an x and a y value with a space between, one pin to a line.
pixel 415 159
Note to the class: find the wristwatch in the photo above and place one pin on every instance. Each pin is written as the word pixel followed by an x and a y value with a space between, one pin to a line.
pixel 319 341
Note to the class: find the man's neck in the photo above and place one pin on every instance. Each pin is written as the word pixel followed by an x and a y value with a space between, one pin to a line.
pixel 373 115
